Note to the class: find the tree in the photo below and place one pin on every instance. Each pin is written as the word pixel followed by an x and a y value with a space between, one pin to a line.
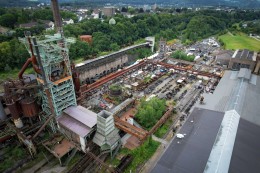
pixel 131 11
pixel 8 20
pixel 149 112
pixel 80 49
pixel 114 47
pixel 124 9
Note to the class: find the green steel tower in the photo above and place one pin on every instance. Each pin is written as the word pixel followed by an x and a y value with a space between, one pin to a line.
pixel 54 73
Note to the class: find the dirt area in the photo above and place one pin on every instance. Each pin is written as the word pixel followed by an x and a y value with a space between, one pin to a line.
pixel 128 114
pixel 132 143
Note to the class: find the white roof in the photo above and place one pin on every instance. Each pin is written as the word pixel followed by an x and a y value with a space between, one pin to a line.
pixel 221 152
pixel 82 114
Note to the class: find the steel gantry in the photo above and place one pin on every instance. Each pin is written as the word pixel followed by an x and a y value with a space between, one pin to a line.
pixel 54 72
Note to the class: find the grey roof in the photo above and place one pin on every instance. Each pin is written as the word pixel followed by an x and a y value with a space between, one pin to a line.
pixel 107 56
pixel 244 54
pixel 83 115
pixel 110 139
pixel 232 92
pixel 244 73
pixel 191 153
pixel 73 125
pixel 246 153
pixel 225 55
pixel 122 105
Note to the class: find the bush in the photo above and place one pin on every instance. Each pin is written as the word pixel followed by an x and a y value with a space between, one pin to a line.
pixel 149 112
pixel 181 55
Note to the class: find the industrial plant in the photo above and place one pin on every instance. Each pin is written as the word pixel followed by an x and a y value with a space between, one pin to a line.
pixel 92 107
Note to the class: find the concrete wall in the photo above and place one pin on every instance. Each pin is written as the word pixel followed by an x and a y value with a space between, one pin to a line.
pixel 241 63
pixel 102 70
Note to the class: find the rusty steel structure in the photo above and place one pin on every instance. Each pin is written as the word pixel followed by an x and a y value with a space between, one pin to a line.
pixel 162 120
pixel 87 88
pixel 128 128
pixel 195 72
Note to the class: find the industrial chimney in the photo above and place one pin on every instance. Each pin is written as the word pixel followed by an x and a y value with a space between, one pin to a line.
pixel 56 16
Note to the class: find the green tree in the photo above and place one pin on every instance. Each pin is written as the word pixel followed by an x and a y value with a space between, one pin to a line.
pixel 149 112
pixel 8 20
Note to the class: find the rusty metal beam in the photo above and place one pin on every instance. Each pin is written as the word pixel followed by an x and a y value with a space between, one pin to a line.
pixel 195 72
pixel 87 88
pixel 128 128
pixel 161 121
pixel 43 126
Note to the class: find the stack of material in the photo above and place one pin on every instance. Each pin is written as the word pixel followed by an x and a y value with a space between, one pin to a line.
pixel 107 136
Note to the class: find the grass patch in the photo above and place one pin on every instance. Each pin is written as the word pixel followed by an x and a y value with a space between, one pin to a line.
pixel 13 74
pixel 78 60
pixel 239 41
pixel 140 154
pixel 74 160
pixel 104 53
pixel 182 55
pixel 30 164
pixel 173 41
pixel 160 132
pixel 12 155
pixel 139 41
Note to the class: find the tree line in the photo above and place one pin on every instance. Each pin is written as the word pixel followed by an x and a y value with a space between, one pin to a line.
pixel 189 26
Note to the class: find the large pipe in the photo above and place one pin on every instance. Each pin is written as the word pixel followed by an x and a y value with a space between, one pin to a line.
pixel 30 60
pixel 56 16
pixel 43 126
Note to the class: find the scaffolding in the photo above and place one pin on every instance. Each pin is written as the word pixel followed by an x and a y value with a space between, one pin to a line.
pixel 55 72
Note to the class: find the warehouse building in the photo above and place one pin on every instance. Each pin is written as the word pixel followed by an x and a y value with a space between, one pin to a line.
pixel 243 59
pixel 221 135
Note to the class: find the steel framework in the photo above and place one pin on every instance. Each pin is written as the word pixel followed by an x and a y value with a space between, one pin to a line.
pixel 55 72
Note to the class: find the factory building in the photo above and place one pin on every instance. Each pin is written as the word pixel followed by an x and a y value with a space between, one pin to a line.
pixel 243 59
pixel 77 124
pixel 109 11
pixel 107 136
pixel 221 135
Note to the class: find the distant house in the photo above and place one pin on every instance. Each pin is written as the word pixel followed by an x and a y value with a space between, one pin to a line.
pixel 28 25
pixel 67 21
pixel 109 11
pixel 244 25
pixel 6 31
pixel 3 30
pixel 95 13
pixel 47 24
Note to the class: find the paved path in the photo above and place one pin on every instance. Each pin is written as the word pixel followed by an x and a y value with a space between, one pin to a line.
pixel 162 141
pixel 255 38
pixel 157 155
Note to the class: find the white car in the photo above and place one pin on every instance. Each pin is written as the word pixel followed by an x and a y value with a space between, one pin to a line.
pixel 180 136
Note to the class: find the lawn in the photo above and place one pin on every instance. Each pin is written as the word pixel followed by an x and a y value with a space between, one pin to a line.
pixel 240 41
pixel 173 41
pixel 140 155
pixel 160 132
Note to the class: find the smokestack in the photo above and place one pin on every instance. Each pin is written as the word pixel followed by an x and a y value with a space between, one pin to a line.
pixel 56 16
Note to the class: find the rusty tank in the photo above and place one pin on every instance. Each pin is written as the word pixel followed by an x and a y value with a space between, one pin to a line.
pixel 30 107
pixel 14 108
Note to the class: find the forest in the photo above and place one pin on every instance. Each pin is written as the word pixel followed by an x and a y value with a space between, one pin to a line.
pixel 188 26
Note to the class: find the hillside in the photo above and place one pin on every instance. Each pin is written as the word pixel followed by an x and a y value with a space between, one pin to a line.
pixel 176 3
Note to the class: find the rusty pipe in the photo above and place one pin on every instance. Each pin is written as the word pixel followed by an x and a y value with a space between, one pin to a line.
pixel 20 74
pixel 43 126
pixel 35 67
pixel 30 44
pixel 30 60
